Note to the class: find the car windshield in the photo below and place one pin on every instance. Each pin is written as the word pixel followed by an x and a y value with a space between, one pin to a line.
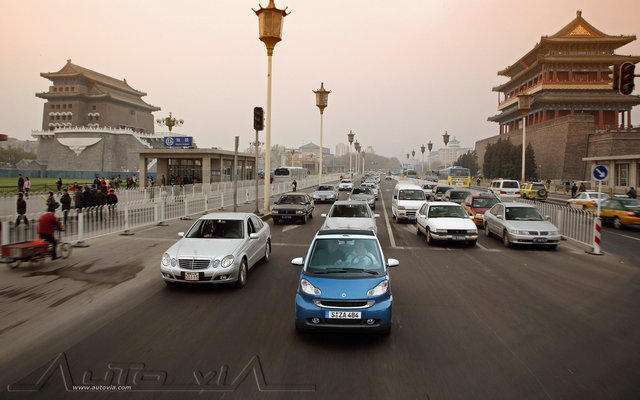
pixel 594 195
pixel 458 194
pixel 538 186
pixel 320 188
pixel 345 256
pixel 281 172
pixel 350 211
pixel 292 199
pixel 630 203
pixel 522 214
pixel 428 186
pixel 216 229
pixel 509 184
pixel 442 189
pixel 361 190
pixel 411 194
pixel 345 181
pixel 447 212
pixel 484 202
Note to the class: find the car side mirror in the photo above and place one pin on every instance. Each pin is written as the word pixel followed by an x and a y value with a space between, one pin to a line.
pixel 275 202
pixel 392 262
pixel 376 215
pixel 547 217
pixel 395 197
pixel 254 236
pixel 181 234
pixel 299 261
pixel 323 215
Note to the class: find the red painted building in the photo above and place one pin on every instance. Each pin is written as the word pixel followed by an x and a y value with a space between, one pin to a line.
pixel 567 73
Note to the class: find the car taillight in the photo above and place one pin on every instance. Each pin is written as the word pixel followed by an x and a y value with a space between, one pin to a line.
pixel 518 192
pixel 593 201
pixel 503 192
pixel 631 213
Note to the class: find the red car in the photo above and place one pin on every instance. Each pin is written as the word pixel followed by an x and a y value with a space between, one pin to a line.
pixel 477 204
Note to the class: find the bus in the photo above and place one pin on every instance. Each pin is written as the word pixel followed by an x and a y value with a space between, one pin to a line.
pixel 288 174
pixel 411 173
pixel 455 176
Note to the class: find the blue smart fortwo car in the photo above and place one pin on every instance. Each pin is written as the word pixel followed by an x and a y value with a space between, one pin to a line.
pixel 344 284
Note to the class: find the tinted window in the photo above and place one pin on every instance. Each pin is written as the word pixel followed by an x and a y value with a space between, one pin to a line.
pixel 538 187
pixel 484 202
pixel 458 194
pixel 216 229
pixel 350 211
pixel 522 214
pixel 250 228
pixel 630 203
pixel 361 190
pixel 293 199
pixel 345 256
pixel 281 172
pixel 447 212
pixel 325 187
pixel 510 184
pixel 442 189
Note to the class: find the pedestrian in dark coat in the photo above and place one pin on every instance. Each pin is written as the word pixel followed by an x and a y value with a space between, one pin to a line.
pixel 100 201
pixel 21 208
pixel 65 201
pixel 87 199
pixel 79 198
pixel 574 189
pixel 20 182
pixel 59 184
pixel 632 193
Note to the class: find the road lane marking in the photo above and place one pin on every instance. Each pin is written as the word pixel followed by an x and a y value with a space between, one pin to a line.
pixel 290 227
pixel 386 220
pixel 290 244
pixel 620 234
pixel 481 246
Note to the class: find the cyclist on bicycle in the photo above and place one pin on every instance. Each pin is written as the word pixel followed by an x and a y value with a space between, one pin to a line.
pixel 47 225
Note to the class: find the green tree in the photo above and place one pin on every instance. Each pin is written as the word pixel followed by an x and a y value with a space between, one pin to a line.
pixel 469 160
pixel 13 155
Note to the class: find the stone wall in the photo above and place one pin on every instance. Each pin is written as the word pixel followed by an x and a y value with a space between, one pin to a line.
pixel 619 143
pixel 559 145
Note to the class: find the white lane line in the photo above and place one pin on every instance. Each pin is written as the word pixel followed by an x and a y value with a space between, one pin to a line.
pixel 290 227
pixel 620 234
pixel 290 244
pixel 386 219
pixel 481 246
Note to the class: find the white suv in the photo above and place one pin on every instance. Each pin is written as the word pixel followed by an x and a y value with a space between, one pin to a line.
pixel 505 189
pixel 345 184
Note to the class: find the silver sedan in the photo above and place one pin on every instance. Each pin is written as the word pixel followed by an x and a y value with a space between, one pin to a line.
pixel 218 248
pixel 518 223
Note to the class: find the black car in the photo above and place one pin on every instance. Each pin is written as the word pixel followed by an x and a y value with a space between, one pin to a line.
pixel 293 206
pixel 456 195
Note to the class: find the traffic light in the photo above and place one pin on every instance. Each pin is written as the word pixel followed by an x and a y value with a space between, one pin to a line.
pixel 614 77
pixel 258 118
pixel 626 78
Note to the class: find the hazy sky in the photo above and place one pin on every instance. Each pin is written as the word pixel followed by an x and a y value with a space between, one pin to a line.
pixel 401 72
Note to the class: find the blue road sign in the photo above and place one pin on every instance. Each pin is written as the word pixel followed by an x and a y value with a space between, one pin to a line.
pixel 178 141
pixel 600 172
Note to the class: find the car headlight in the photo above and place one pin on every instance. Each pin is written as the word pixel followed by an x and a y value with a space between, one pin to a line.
pixel 215 263
pixel 381 288
pixel 472 231
pixel 308 288
pixel 227 261
pixel 300 212
pixel 174 262
pixel 440 230
pixel 400 207
pixel 520 232
pixel 166 259
pixel 553 233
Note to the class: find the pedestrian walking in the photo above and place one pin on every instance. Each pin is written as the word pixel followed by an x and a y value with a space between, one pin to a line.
pixel 48 224
pixel 101 200
pixel 21 208
pixel 79 199
pixel 65 201
pixel 51 201
pixel 112 201
pixel 87 197
pixel 294 185
pixel 59 185
pixel 27 187
pixel 20 183
pixel 478 181
pixel 632 193
pixel 582 188
pixel 164 180
pixel 574 189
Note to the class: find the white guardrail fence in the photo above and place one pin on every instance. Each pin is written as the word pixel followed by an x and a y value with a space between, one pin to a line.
pixel 154 207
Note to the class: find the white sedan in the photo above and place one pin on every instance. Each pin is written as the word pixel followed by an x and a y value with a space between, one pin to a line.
pixel 345 184
pixel 354 215
pixel 218 248
pixel 446 221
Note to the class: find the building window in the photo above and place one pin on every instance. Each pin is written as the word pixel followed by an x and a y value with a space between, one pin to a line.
pixel 51 117
pixel 66 88
pixel 93 107
pixel 70 106
pixel 131 112
pixel 622 174
pixel 73 88
pixel 64 106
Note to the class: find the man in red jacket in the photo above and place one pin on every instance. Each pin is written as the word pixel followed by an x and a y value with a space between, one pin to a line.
pixel 47 225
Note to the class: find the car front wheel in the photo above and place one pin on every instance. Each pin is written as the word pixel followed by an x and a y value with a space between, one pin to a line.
pixel 242 274
pixel 617 223
pixel 427 233
pixel 486 230
pixel 267 252
pixel 505 239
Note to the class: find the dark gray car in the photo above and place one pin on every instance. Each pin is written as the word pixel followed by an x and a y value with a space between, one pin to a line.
pixel 293 206
pixel 456 195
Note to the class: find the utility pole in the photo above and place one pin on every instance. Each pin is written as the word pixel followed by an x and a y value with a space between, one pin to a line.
pixel 235 174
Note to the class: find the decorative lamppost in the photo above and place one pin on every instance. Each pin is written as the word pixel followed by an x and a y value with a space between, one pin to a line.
pixel 524 105
pixel 422 163
pixel 413 158
pixel 270 33
pixel 445 139
pixel 356 145
pixel 429 147
pixel 170 122
pixel 322 97
pixel 407 168
pixel 363 154
pixel 350 136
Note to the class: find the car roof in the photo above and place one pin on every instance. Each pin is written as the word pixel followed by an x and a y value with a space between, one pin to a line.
pixel 293 193
pixel 402 186
pixel 516 204
pixel 226 215
pixel 484 195
pixel 443 203
pixel 343 202
pixel 345 232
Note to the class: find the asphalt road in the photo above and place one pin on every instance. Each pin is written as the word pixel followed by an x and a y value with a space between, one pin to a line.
pixel 484 322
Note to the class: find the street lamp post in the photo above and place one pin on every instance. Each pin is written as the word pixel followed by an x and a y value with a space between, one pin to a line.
pixel 270 33
pixel 524 105
pixel 445 139
pixel 422 163
pixel 413 157
pixel 350 136
pixel 322 97
pixel 429 146
pixel 356 145
pixel 363 154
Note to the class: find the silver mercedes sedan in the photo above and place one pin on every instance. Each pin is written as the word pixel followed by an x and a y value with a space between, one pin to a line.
pixel 218 248
pixel 519 223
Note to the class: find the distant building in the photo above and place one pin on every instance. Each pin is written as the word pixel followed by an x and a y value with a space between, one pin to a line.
pixel 447 155
pixel 342 149
pixel 573 104
pixel 369 150
pixel 30 146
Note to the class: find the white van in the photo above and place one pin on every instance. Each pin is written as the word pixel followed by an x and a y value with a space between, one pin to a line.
pixel 505 189
pixel 407 199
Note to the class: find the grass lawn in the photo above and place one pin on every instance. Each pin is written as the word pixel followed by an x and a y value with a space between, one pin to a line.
pixel 10 185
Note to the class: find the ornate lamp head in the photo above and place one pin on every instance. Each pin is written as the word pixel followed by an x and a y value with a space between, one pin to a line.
pixel 322 97
pixel 445 138
pixel 350 136
pixel 270 25
pixel 422 148
pixel 430 146
pixel 356 145
pixel 170 122
pixel 413 153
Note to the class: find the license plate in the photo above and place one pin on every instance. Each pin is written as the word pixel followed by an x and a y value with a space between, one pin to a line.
pixel 343 314
pixel 286 216
pixel 540 240
pixel 458 237
pixel 411 217
pixel 191 276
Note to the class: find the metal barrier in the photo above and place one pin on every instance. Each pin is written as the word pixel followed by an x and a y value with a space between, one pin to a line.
pixel 166 204
pixel 572 223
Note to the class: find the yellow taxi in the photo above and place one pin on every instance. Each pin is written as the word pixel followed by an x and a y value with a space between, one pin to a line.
pixel 620 212
pixel 586 200
pixel 534 191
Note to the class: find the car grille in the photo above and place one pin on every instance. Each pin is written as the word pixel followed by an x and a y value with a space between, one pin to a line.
pixel 343 321
pixel 288 212
pixel 189 263
pixel 343 304
pixel 457 231
pixel 408 213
